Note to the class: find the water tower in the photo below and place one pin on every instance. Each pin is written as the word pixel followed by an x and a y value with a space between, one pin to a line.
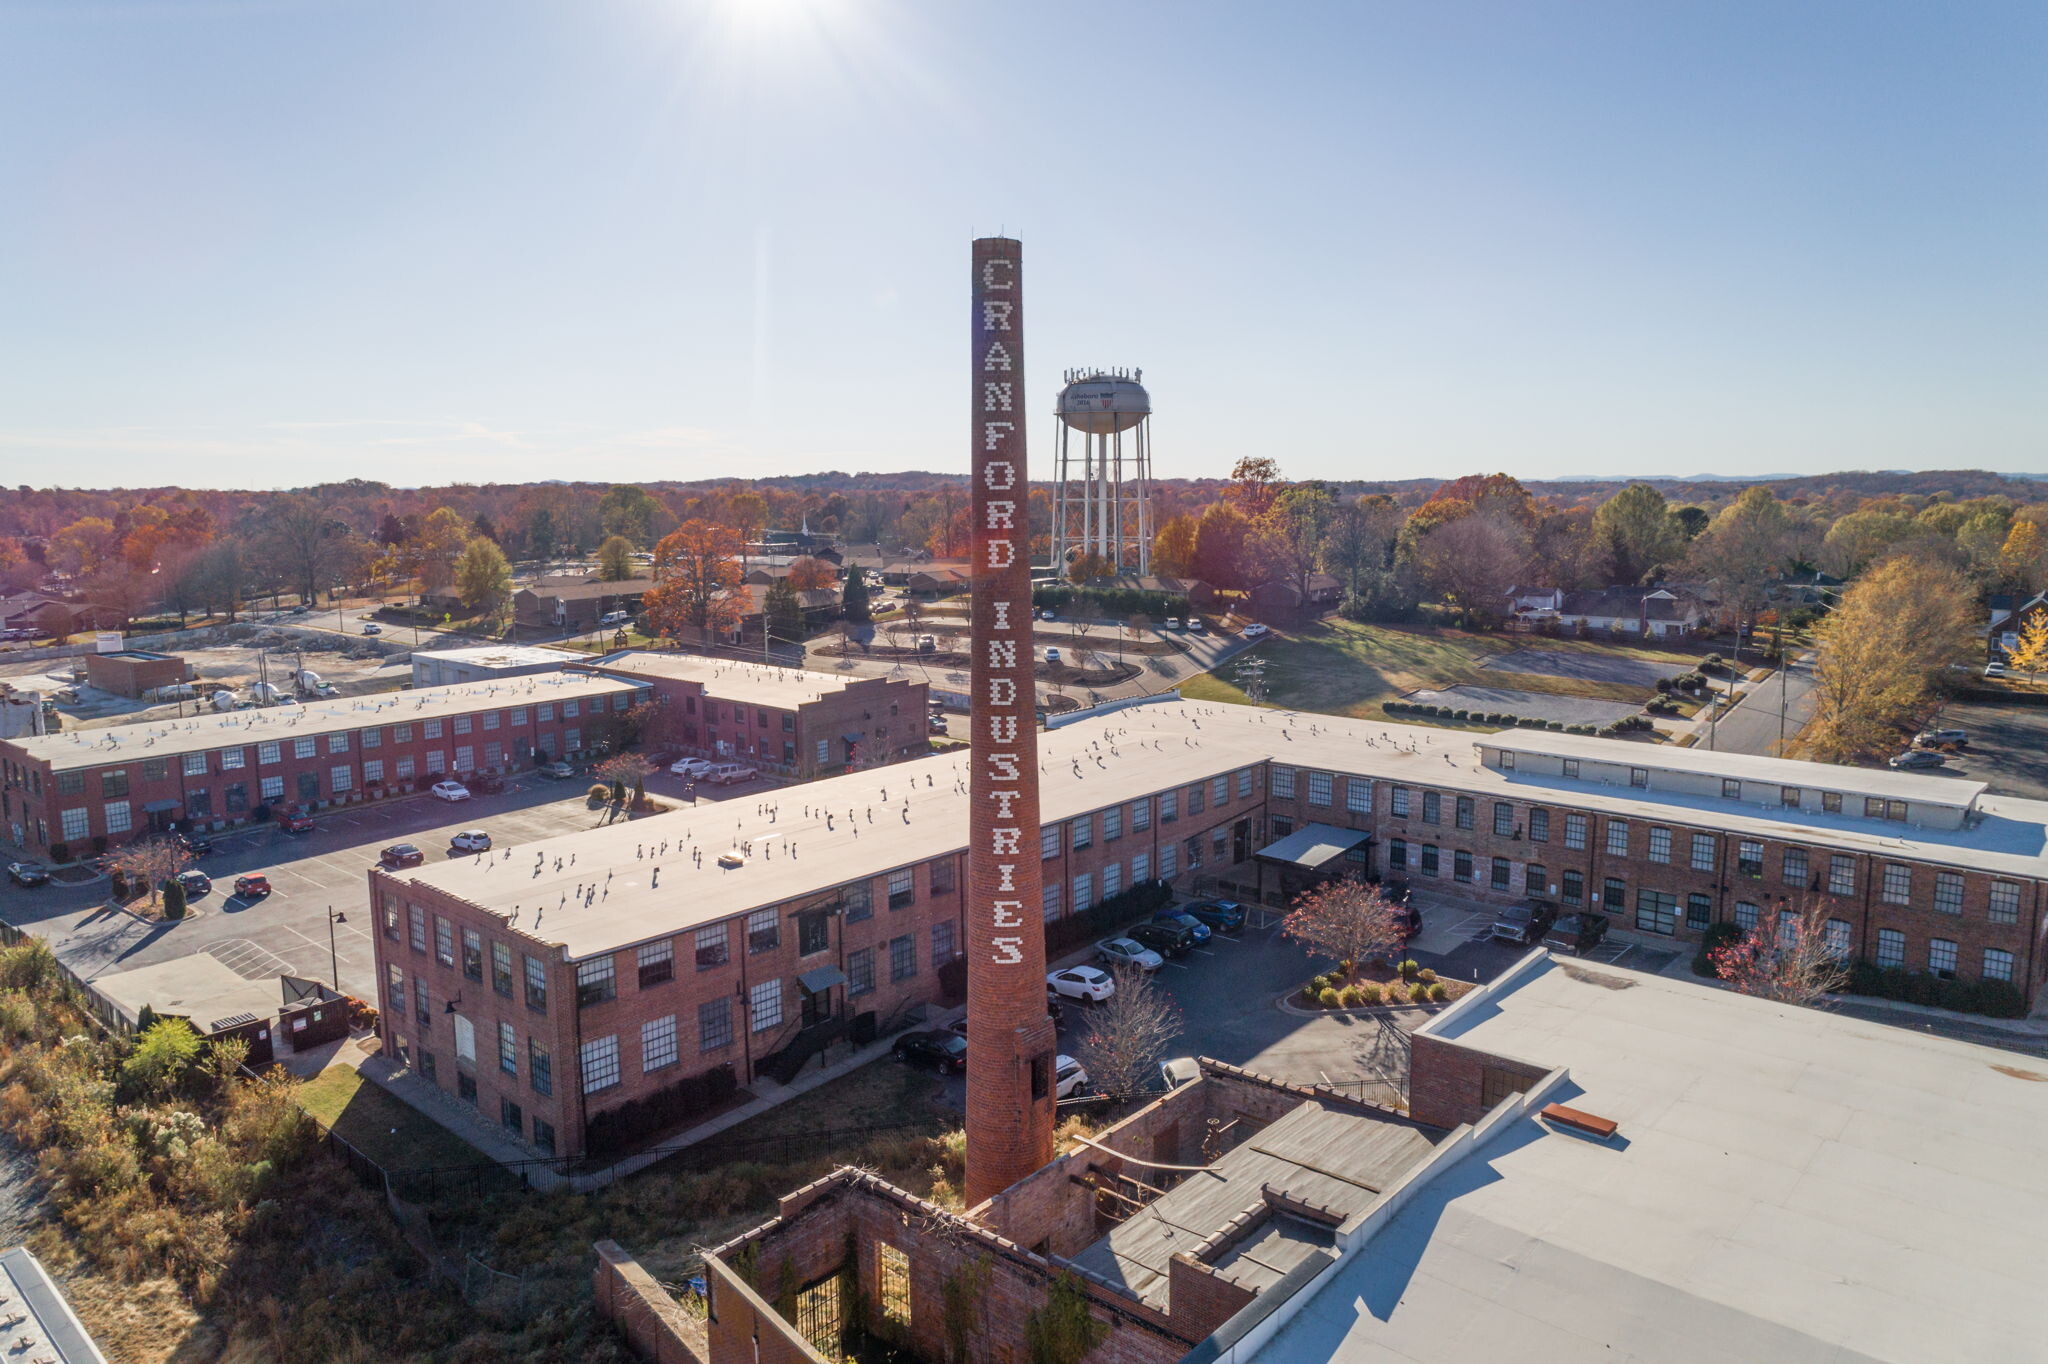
pixel 1100 502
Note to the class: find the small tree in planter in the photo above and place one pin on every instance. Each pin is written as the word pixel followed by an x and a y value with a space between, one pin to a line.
pixel 150 863
pixel 1347 920
pixel 174 900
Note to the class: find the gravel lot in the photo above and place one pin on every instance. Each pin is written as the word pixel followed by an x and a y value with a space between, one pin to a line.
pixel 1642 672
pixel 1570 710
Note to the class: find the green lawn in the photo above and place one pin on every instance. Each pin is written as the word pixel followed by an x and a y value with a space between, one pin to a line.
pixel 880 1094
pixel 388 1130
pixel 1341 667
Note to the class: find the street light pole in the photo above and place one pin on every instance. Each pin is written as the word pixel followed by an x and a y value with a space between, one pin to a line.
pixel 333 955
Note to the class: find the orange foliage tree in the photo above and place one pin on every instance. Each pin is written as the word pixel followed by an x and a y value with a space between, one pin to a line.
pixel 696 581
pixel 808 575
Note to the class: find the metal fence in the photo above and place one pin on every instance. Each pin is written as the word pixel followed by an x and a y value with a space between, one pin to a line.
pixel 77 990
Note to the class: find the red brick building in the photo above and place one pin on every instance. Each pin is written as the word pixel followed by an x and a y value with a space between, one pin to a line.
pixel 135 672
pixel 214 771
pixel 626 958
pixel 786 720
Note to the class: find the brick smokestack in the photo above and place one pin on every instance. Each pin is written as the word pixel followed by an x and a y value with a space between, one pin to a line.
pixel 1010 1037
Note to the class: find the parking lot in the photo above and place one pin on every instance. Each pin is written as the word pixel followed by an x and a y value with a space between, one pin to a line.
pixel 288 932
pixel 2008 746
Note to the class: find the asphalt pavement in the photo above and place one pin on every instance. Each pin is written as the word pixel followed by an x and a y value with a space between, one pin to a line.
pixel 1754 724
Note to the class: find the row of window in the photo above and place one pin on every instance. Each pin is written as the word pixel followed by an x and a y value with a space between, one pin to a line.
pixel 1079 833
pixel 1733 788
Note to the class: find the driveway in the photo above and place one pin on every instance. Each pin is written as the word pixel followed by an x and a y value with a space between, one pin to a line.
pixel 1588 667
pixel 288 930
pixel 2008 746
pixel 1570 710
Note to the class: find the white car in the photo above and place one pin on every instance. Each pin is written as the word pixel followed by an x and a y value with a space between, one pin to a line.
pixel 451 790
pixel 690 767
pixel 1256 631
pixel 470 840
pixel 724 774
pixel 1069 1076
pixel 1129 952
pixel 1080 982
pixel 1173 622
pixel 1994 670
pixel 1052 655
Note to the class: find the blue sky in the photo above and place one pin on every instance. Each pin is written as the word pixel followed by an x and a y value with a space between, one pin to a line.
pixel 268 243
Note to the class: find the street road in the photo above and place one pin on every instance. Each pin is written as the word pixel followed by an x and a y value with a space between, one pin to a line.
pixel 1753 726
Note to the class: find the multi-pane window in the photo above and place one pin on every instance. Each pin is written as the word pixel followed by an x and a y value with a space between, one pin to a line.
pixel 813 932
pixel 1571 767
pixel 1788 929
pixel 1795 869
pixel 1432 807
pixel 540 1066
pixel 1112 879
pixel 1084 832
pixel 75 824
pixel 1219 790
pixel 501 969
pixel 1464 812
pixel 337 743
pixel 1841 874
pixel 1084 892
pixel 472 954
pixel 1572 887
pixel 1746 916
pixel 419 929
pixel 1699 910
pixel 1169 862
pixel 599 1063
pixel 266 752
pixel 1575 831
pixel 1836 938
pixel 444 941
pixel 1430 865
pixel 1169 805
pixel 1397 854
pixel 1244 783
pixel 892 1279
pixel 1507 760
pixel 1614 894
pixel 273 788
pixel 394 989
pixel 1461 865
pixel 1639 776
pixel 860 971
pixel 1539 825
pixel 1321 788
pixel 712 946
pixel 1660 845
pixel 302 748
pixel 1997 964
pixel 1617 838
pixel 1749 857
pixel 858 899
pixel 1656 912
pixel 658 1043
pixel 714 1024
pixel 764 932
pixel 2005 902
pixel 902 957
pixel 764 1005
pixel 536 985
pixel 1702 852
pixel 1897 887
pixel 657 962
pixel 1049 842
pixel 944 933
pixel 1891 947
pixel 195 766
pixel 1141 815
pixel 1112 823
pixel 902 887
pixel 119 820
pixel 1503 874
pixel 1831 802
pixel 1400 802
pixel 1195 802
pixel 508 1049
pixel 1535 880
pixel 1948 892
pixel 1281 785
pixel 1141 868
pixel 595 981
pixel 1503 819
pixel 1358 795
pixel 373 772
pixel 1789 795
pixel 239 757
pixel 1941 957
pixel 1049 900
pixel 1731 788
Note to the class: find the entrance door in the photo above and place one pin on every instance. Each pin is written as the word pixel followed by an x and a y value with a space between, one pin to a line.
pixel 1240 840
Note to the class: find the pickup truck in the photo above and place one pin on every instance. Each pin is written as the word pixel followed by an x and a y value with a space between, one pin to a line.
pixel 1526 922
pixel 1576 933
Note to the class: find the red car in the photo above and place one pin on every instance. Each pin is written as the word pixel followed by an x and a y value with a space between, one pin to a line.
pixel 252 887
pixel 295 822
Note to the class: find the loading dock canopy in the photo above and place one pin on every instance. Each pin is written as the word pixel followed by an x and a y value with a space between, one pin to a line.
pixel 1311 846
pixel 823 978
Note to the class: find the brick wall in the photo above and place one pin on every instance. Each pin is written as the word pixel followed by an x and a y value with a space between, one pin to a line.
pixel 1202 1299
pixel 1450 1083
pixel 658 1329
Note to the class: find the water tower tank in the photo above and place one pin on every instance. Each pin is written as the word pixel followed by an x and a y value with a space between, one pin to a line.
pixel 1103 403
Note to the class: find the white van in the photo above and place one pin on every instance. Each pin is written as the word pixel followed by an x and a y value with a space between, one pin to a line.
pixel 615 618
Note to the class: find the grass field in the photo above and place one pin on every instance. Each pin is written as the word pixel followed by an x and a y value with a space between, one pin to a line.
pixel 388 1130
pixel 1341 667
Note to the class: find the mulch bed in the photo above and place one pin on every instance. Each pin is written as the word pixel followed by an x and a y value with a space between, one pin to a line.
pixel 1386 977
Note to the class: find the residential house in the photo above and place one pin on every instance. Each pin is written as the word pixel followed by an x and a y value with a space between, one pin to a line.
pixel 2018 613
pixel 1282 598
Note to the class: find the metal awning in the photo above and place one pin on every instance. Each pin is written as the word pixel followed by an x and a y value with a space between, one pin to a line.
pixel 1312 845
pixel 821 979
pixel 159 806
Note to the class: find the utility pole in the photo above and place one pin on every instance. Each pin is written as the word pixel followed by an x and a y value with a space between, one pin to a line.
pixel 333 955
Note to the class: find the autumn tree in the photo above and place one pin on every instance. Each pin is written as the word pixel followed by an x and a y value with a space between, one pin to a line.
pixel 150 862
pixel 1797 960
pixel 811 575
pixel 1254 483
pixel 1358 540
pixel 2023 558
pixel 2030 654
pixel 308 547
pixel 1746 549
pixel 1881 650
pixel 483 577
pixel 696 581
pixel 615 559
pixel 17 570
pixel 1290 535
pixel 1472 562
pixel 629 512
pixel 1128 1035
pixel 1857 540
pixel 1636 530
pixel 1346 920
pixel 84 545
pixel 1173 547
pixel 1221 544
pixel 433 552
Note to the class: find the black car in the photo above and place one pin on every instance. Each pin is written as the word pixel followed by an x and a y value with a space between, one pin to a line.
pixel 27 874
pixel 196 844
pixel 1576 933
pixel 1168 940
pixel 1224 916
pixel 401 855
pixel 1411 919
pixel 194 881
pixel 1526 922
pixel 938 1048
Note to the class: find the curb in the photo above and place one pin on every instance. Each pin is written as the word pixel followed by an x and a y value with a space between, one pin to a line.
pixel 1287 1005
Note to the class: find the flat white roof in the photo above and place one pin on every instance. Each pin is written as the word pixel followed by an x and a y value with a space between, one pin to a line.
pixel 1786 1184
pixel 733 679
pixel 113 744
pixel 604 895
pixel 1872 781
pixel 503 655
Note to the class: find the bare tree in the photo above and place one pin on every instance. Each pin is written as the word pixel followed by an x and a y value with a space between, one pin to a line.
pixel 1128 1034
pixel 152 862
pixel 1795 961
pixel 1472 562
pixel 1350 921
